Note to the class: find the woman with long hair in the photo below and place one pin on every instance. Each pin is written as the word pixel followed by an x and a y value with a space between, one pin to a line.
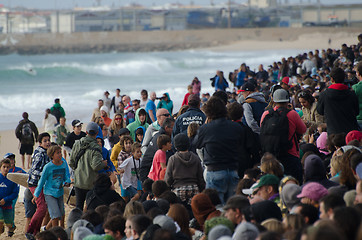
pixel 116 125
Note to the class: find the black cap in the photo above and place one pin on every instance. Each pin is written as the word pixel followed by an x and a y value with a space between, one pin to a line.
pixel 248 87
pixel 124 131
pixel 76 123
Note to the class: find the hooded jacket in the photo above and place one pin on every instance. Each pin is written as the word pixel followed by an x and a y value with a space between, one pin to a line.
pixel 89 163
pixel 137 123
pixel 314 171
pixel 254 106
pixel 151 130
pixel 184 168
pixel 167 105
pixel 340 108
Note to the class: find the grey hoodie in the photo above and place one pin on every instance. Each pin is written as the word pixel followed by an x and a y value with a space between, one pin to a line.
pixel 184 168
pixel 254 106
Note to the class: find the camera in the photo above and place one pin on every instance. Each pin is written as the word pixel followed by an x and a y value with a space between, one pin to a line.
pixel 160 98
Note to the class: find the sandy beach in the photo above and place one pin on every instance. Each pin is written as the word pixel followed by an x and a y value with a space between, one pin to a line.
pixel 9 143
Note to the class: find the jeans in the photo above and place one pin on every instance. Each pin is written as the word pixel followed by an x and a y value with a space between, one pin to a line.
pixel 41 210
pixel 223 181
pixel 80 196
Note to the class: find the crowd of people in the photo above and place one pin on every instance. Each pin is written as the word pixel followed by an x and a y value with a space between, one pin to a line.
pixel 278 156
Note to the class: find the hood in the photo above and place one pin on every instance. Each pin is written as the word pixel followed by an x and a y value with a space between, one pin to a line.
pixel 155 125
pixel 314 169
pixel 24 121
pixel 88 142
pixel 186 158
pixel 168 96
pixel 137 117
pixel 338 91
pixel 140 127
pixel 257 96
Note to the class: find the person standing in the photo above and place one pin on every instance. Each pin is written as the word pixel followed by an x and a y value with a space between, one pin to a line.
pixel 339 105
pixel 49 123
pixel 196 86
pixel 107 102
pixel 144 99
pixel 357 88
pixel 254 105
pixel 151 107
pixel 193 114
pixel 57 110
pixel 73 136
pixel 86 160
pixel 165 102
pixel 115 100
pixel 97 111
pixel 221 140
pixel 26 132
pixel 40 159
pixel 220 82
pixel 9 192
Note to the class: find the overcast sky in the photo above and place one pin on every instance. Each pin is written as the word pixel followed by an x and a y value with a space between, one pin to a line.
pixel 66 4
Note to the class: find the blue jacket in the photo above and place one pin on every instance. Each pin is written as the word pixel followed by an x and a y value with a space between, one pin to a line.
pixel 8 190
pixel 240 79
pixel 220 86
pixel 184 120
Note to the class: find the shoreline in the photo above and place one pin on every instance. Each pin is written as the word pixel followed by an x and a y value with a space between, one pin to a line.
pixel 151 41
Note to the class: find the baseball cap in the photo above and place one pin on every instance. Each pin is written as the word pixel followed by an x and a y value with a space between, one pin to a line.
pixel 92 128
pixel 248 87
pixel 268 179
pixel 249 191
pixel 280 96
pixel 314 191
pixel 285 80
pixel 76 123
pixel 237 202
pixel 9 155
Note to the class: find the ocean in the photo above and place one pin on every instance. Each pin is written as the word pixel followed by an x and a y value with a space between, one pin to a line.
pixel 31 83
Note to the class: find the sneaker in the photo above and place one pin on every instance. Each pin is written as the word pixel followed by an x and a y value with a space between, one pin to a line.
pixel 11 231
pixel 43 228
pixel 29 236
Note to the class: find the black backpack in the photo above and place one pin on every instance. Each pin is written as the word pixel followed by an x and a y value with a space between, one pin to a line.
pixel 274 133
pixel 56 112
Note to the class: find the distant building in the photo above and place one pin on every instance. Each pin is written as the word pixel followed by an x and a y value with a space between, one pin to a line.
pixel 262 3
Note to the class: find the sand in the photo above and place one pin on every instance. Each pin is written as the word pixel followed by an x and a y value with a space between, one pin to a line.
pixel 306 42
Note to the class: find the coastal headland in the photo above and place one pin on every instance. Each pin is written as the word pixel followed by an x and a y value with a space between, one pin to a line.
pixel 146 41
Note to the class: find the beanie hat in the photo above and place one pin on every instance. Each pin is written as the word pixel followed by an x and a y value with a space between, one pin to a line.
pixel 246 231
pixel 81 232
pixel 219 231
pixel 104 108
pixel 353 135
pixel 209 224
pixel 165 222
pixel 182 142
pixel 289 195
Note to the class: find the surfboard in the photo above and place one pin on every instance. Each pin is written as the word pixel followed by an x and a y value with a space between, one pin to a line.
pixel 22 180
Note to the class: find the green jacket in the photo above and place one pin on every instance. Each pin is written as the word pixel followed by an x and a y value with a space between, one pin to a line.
pixel 137 123
pixel 358 90
pixel 89 163
pixel 61 109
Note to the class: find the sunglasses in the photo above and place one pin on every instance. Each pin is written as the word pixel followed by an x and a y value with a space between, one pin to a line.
pixel 118 119
pixel 302 94
pixel 165 115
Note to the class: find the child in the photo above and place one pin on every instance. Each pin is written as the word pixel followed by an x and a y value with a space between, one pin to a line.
pixel 55 175
pixel 126 142
pixel 131 183
pixel 40 159
pixel 184 171
pixel 140 132
pixel 191 133
pixel 13 169
pixel 62 132
pixel 159 160
pixel 186 98
pixel 9 191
